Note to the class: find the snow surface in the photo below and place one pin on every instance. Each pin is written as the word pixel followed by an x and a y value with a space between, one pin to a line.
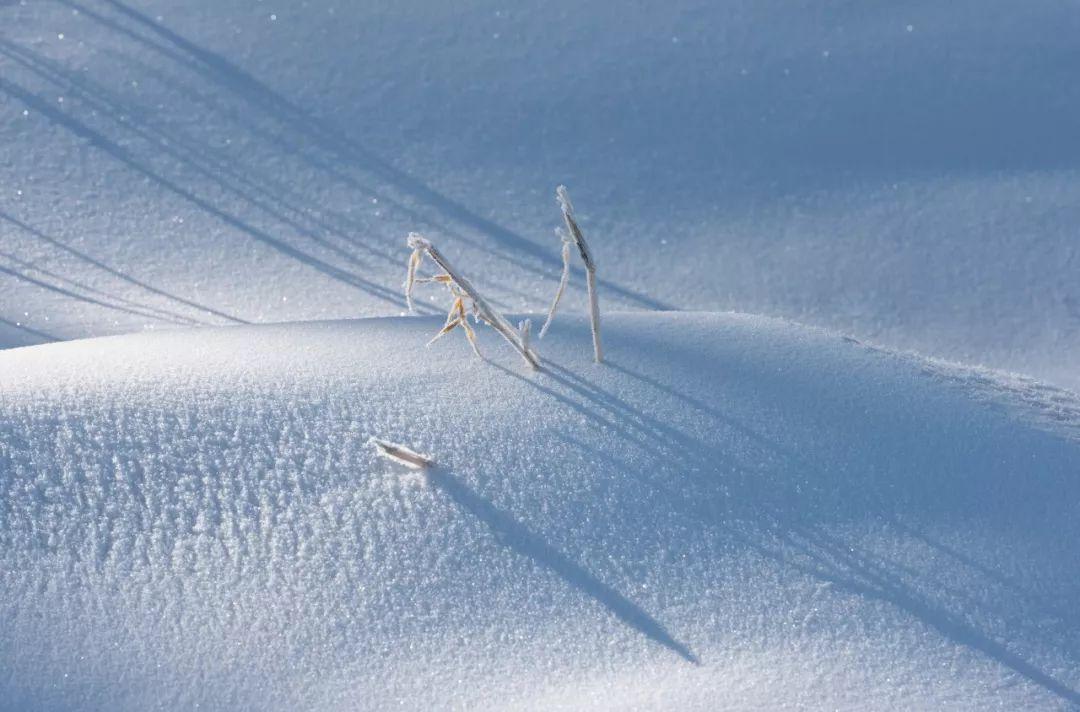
pixel 734 513
pixel 901 171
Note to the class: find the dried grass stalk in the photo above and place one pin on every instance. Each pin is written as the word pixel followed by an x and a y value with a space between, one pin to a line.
pixel 590 268
pixel 525 332
pixel 563 279
pixel 463 289
pixel 402 454
pixel 410 278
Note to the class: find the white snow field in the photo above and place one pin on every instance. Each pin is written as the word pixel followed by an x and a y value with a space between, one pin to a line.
pixel 905 172
pixel 732 513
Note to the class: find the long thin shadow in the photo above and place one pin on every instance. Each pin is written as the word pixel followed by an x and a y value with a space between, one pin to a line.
pixel 619 409
pixel 714 413
pixel 642 440
pixel 880 584
pixel 1068 618
pixel 148 311
pixel 33 332
pixel 326 219
pixel 196 159
pixel 292 142
pixel 833 560
pixel 224 73
pixel 610 412
pixel 519 538
pixel 118 274
pixel 56 289
pixel 120 154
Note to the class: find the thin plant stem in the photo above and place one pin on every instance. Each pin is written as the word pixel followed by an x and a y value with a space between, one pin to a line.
pixel 563 280
pixel 590 268
pixel 484 310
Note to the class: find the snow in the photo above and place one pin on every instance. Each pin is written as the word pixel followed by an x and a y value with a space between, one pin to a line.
pixel 733 512
pixel 903 172
pixel 206 205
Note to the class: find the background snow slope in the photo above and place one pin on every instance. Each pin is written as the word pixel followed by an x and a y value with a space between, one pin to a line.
pixel 734 513
pixel 902 171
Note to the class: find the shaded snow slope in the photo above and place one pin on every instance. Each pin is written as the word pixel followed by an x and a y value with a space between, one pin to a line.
pixel 905 172
pixel 733 513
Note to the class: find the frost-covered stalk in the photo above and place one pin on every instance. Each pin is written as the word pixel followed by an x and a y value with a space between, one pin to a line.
pixel 483 309
pixel 525 332
pixel 410 279
pixel 590 268
pixel 563 279
pixel 401 454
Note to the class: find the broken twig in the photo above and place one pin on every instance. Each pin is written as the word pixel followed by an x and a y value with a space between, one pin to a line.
pixel 402 454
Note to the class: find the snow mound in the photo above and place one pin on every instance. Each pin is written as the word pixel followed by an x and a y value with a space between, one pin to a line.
pixel 733 513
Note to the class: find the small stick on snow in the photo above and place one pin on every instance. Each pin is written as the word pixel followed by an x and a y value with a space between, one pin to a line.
pixel 402 454
pixel 590 267
pixel 482 309
pixel 562 280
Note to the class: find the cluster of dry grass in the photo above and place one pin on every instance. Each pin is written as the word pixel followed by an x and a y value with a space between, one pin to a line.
pixel 468 301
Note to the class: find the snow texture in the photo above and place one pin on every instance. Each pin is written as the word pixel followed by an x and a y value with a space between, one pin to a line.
pixel 905 172
pixel 732 513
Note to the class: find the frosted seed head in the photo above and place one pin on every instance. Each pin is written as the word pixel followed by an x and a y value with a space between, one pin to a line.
pixel 564 199
pixel 417 242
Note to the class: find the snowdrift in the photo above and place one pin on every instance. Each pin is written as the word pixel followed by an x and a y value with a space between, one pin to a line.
pixel 734 513
pixel 904 172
